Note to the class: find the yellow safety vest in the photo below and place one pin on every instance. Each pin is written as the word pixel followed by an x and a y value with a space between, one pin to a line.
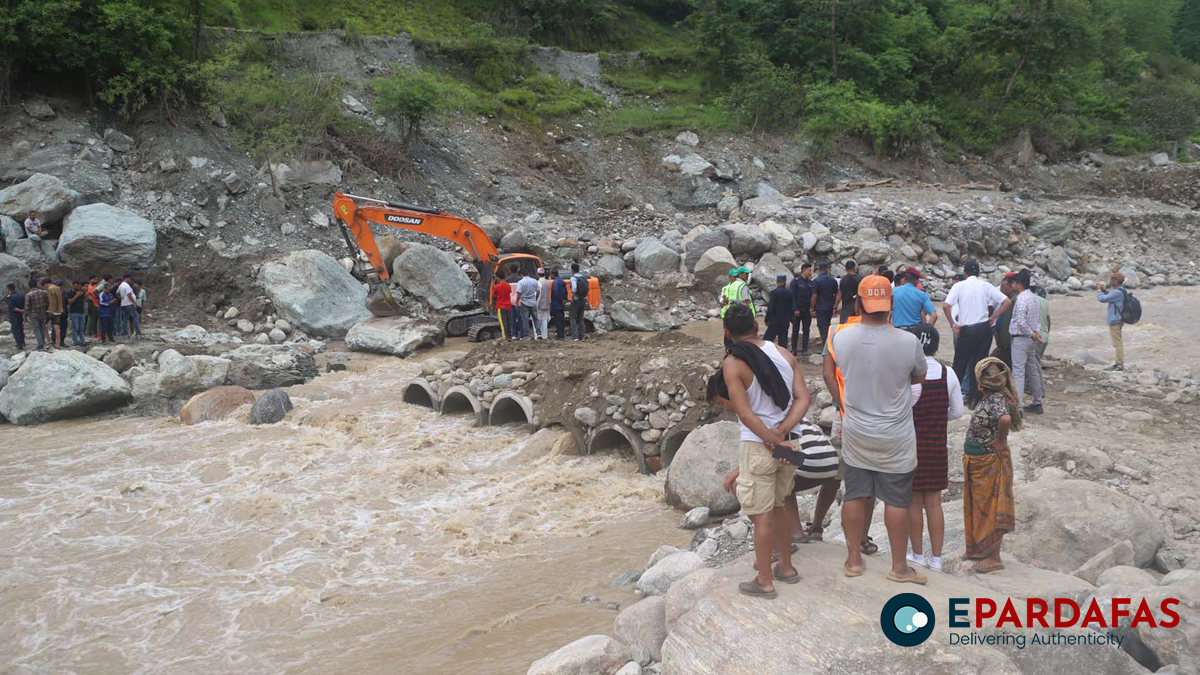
pixel 733 292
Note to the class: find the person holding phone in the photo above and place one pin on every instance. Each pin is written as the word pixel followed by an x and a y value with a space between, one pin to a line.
pixel 770 397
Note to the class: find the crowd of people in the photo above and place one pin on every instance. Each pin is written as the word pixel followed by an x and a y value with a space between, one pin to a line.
pixel 527 307
pixel 894 400
pixel 56 314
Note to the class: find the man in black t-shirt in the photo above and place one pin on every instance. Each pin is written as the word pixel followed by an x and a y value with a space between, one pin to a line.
pixel 15 303
pixel 77 311
pixel 824 300
pixel 848 287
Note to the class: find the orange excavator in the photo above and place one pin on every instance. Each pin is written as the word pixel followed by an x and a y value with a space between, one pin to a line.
pixel 356 214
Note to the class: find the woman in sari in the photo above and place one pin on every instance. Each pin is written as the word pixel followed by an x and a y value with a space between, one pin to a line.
pixel 988 507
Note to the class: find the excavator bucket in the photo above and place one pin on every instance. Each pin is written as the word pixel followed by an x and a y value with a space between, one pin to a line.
pixel 380 301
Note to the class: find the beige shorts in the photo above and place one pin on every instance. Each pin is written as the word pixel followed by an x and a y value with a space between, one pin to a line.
pixel 763 483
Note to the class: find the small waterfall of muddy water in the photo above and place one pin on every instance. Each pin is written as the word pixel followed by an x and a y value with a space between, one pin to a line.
pixel 362 535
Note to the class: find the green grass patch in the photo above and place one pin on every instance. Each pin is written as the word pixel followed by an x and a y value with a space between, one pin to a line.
pixel 647 118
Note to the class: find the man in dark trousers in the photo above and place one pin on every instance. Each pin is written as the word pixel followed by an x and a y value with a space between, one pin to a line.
pixel 1002 320
pixel 968 308
pixel 15 304
pixel 848 288
pixel 779 312
pixel 558 303
pixel 802 290
pixel 825 299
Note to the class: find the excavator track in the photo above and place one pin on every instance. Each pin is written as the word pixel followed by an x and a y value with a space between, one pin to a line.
pixel 482 332
pixel 460 324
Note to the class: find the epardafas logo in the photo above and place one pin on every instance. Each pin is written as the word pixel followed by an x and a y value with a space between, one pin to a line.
pixel 907 619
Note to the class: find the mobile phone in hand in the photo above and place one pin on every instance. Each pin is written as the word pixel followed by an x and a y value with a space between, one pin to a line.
pixel 787 453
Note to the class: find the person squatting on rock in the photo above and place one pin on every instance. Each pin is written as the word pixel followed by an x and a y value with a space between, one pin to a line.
pixel 1115 299
pixel 779 312
pixel 802 290
pixel 936 401
pixel 879 444
pixel 770 397
pixel 34 231
pixel 968 309
pixel 988 506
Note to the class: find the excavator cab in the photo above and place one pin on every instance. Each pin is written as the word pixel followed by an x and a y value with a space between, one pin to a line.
pixel 503 267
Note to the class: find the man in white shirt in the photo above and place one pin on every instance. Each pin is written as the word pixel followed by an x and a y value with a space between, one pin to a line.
pixel 34 230
pixel 969 307
pixel 130 321
pixel 543 303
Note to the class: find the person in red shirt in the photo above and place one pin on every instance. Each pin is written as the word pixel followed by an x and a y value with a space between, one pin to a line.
pixel 502 298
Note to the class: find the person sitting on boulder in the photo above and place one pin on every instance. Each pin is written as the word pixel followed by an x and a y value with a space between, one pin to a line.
pixel 988 506
pixel 34 230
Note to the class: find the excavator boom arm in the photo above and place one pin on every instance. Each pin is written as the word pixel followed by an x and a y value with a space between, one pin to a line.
pixel 358 218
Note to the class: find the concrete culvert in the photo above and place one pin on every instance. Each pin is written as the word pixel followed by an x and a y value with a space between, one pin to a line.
pixel 418 392
pixel 670 444
pixel 511 409
pixel 460 401
pixel 617 440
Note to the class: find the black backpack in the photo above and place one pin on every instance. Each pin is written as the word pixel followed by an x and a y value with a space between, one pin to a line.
pixel 1131 308
pixel 582 280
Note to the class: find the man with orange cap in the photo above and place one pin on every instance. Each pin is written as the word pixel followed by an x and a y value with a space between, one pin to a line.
pixel 879 364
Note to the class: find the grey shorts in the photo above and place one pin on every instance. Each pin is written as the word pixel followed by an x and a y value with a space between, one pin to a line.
pixel 894 489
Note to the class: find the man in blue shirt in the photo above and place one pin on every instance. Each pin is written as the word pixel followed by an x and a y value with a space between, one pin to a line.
pixel 558 303
pixel 825 297
pixel 802 291
pixel 911 306
pixel 1115 299
pixel 15 303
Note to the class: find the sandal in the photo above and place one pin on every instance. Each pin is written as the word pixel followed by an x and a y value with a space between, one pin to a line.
pixel 869 547
pixel 752 589
pixel 916 578
pixel 812 533
pixel 794 578
pixel 850 572
pixel 979 568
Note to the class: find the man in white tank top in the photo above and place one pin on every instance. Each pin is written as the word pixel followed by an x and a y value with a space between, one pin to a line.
pixel 764 482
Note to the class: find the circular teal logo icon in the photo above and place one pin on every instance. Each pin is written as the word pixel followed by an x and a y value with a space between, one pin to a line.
pixel 907 619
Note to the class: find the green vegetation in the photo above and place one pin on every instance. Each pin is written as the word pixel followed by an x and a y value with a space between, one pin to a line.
pixel 1122 75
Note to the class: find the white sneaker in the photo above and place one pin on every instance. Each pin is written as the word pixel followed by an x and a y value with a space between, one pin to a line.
pixel 935 563
pixel 912 558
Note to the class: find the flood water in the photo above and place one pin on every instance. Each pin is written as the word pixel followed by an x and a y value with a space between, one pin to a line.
pixel 363 535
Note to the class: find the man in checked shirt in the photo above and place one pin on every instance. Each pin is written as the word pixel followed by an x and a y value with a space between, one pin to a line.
pixel 1025 329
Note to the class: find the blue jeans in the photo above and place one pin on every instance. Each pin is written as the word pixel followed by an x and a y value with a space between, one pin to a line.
pixel 78 324
pixel 131 320
pixel 521 318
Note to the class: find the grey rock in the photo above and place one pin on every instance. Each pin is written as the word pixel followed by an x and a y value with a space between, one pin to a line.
pixel 873 252
pixel 211 371
pixel 1132 278
pixel 245 325
pixel 695 165
pixel 660 553
pixel 394 335
pixel 697 472
pixel 517 240
pixel 1160 159
pixel 643 625
pixel 38 109
pixel 390 248
pixel 270 366
pixel 43 193
pixel 658 579
pixel 624 579
pixel 1059 264
pixel 1180 576
pixel 768 267
pixel 312 291
pixel 119 358
pixel 640 316
pixel 698 241
pixel 117 140
pixel 712 269
pixel 61 385
pixel 695 519
pixel 178 378
pixel 234 184
pixel 277 336
pixel 1053 229
pixel 747 240
pixel 591 655
pixel 1086 517
pixel 271 407
pixel 104 234
pixel 432 275
pixel 11 229
pixel 653 257
pixel 728 205
pixel 688 138
pixel 1120 553
pixel 302 174
pixel 765 191
pixel 14 271
pixel 587 416
pixel 1126 575
pixel 939 245
pixel 609 267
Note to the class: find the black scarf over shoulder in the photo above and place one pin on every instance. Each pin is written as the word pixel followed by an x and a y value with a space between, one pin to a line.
pixel 765 372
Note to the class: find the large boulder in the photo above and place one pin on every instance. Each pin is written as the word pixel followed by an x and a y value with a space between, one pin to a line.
pixel 1053 230
pixel 698 240
pixel 1085 518
pixel 390 248
pixel 658 579
pixel 1058 264
pixel 872 252
pixel 767 269
pixel 215 404
pixel 300 174
pixel 271 407
pixel 42 193
pixel 654 257
pixel 747 241
pixel 609 266
pixel 1179 645
pixel 59 385
pixel 120 358
pixel 696 474
pixel 312 291
pixel 178 378
pixel 270 366
pixel 642 627
pixel 13 271
pixel 640 316
pixel 712 269
pixel 781 237
pixel 432 275
pixel 395 336
pixel 104 234
pixel 11 229
pixel 591 655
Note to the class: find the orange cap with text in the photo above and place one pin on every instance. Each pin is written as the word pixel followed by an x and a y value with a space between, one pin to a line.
pixel 876 293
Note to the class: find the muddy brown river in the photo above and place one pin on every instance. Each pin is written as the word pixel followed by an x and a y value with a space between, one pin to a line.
pixel 363 535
